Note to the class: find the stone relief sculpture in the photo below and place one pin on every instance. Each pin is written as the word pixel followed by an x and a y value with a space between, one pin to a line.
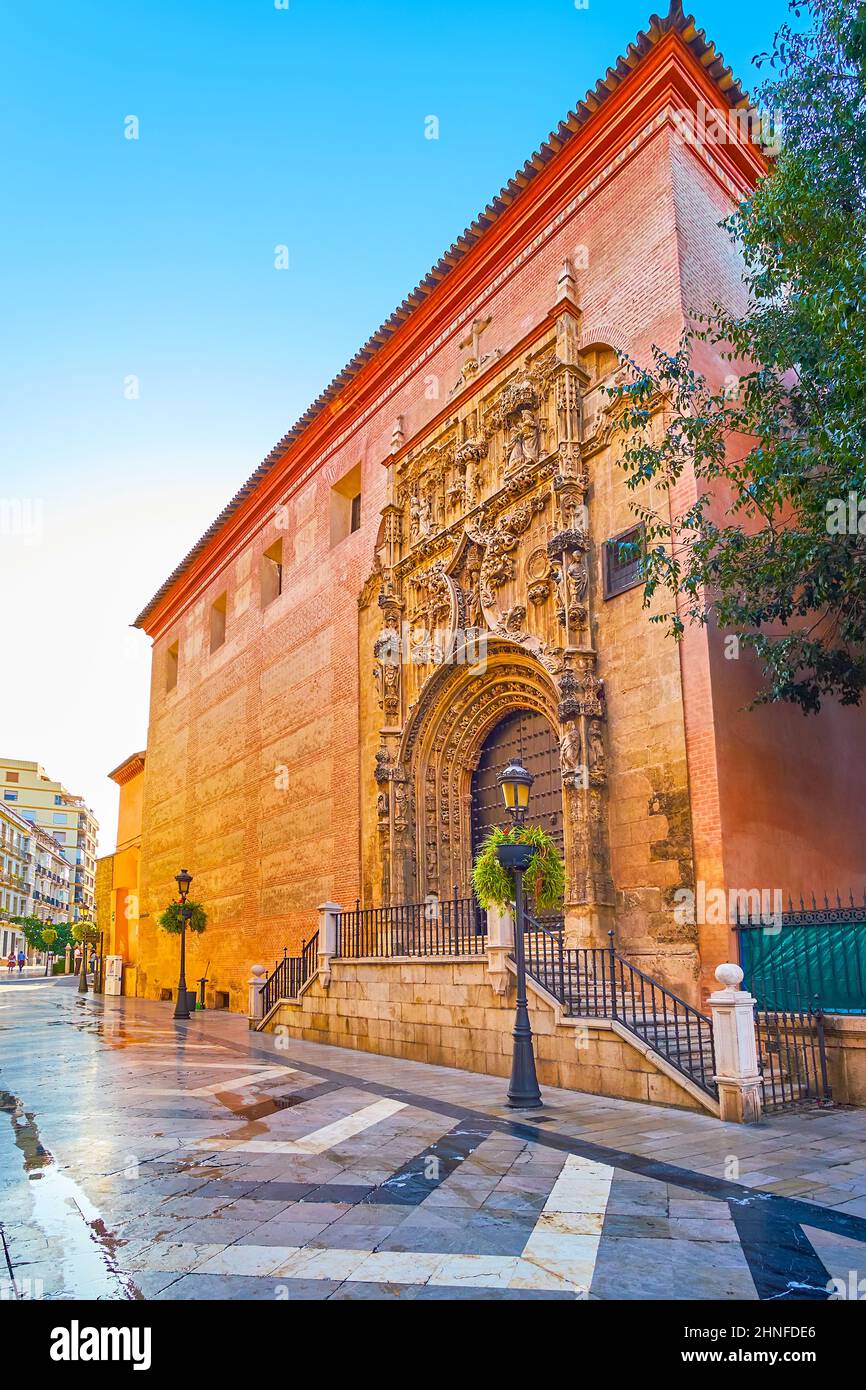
pixel 524 444
pixel 571 752
pixel 487 530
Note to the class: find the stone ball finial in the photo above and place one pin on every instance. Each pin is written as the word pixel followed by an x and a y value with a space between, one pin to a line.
pixel 729 976
pixel 259 970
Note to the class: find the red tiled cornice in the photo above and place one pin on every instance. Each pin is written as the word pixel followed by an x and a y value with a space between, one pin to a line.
pixel 386 350
pixel 128 769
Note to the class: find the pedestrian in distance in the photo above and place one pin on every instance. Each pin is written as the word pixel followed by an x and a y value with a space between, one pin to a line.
pixel 77 955
pixel 10 963
pixel 21 960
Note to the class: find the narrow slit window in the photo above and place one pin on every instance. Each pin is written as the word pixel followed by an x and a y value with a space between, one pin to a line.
pixel 171 667
pixel 346 506
pixel 272 573
pixel 218 623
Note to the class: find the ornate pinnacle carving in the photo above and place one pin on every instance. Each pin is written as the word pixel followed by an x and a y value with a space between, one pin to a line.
pixel 565 541
pixel 383 769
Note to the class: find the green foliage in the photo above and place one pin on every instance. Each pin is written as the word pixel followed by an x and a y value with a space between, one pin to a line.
pixel 779 453
pixel 34 934
pixel 544 880
pixel 85 932
pixel 32 929
pixel 196 917
pixel 63 937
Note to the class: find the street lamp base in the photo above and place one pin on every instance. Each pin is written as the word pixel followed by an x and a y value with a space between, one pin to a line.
pixel 523 1092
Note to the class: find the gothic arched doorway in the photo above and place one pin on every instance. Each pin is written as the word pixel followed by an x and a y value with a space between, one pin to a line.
pixel 527 735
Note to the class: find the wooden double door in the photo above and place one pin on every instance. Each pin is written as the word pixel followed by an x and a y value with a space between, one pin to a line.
pixel 528 737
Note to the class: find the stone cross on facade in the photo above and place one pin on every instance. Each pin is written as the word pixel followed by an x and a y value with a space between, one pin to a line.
pixel 473 339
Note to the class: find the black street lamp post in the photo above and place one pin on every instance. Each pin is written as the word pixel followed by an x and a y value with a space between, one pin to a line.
pixel 523 1091
pixel 87 934
pixel 183 881
pixel 49 936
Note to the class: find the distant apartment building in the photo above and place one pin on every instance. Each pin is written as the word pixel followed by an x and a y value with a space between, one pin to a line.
pixel 48 877
pixel 14 842
pixel 32 794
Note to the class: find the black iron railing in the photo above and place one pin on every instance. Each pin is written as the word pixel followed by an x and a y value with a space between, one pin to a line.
pixel 290 974
pixel 597 982
pixel 793 1058
pixel 454 926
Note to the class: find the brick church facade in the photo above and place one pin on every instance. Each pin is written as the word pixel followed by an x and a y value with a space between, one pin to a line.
pixel 419 577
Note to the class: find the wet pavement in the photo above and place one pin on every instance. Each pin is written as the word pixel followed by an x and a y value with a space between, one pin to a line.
pixel 143 1158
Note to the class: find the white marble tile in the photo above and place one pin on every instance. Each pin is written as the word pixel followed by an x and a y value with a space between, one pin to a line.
pixel 566 1237
pixel 176 1257
pixel 247 1259
pixel 398 1267
pixel 528 1275
pixel 229 1083
pixel 570 1223
pixel 576 1272
pixel 476 1271
pixel 317 1142
pixel 321 1264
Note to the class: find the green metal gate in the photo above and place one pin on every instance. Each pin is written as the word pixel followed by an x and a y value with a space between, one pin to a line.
pixel 811 960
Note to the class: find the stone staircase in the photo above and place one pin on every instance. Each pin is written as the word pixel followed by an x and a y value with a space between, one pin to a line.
pixel 594 982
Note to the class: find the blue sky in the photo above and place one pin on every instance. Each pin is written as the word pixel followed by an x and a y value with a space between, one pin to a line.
pixel 154 259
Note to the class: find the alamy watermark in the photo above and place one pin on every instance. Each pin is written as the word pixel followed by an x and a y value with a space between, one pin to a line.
pixel 719 907
pixel 846 516
pixel 853 1289
pixel 22 519
pixel 421 646
pixel 710 125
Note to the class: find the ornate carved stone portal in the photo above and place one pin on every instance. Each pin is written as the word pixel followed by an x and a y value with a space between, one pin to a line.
pixel 480 603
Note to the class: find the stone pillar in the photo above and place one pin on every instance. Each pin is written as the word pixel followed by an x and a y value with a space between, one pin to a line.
pixel 258 977
pixel 67 960
pixel 737 1074
pixel 327 939
pixel 500 944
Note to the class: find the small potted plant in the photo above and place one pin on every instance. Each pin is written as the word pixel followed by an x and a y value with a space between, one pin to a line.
pixel 195 915
pixel 544 880
pixel 49 936
pixel 177 918
pixel 86 934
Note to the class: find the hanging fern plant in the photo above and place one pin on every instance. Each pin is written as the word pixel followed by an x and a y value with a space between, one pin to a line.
pixel 544 880
pixel 196 917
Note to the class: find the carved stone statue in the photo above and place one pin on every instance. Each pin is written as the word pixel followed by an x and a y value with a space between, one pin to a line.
pixel 578 578
pixel 570 749
pixel 420 523
pixel 525 440
pixel 598 766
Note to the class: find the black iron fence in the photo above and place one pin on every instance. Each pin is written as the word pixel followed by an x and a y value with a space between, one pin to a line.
pixel 792 1058
pixel 438 927
pixel 290 974
pixel 597 982
pixel 807 957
